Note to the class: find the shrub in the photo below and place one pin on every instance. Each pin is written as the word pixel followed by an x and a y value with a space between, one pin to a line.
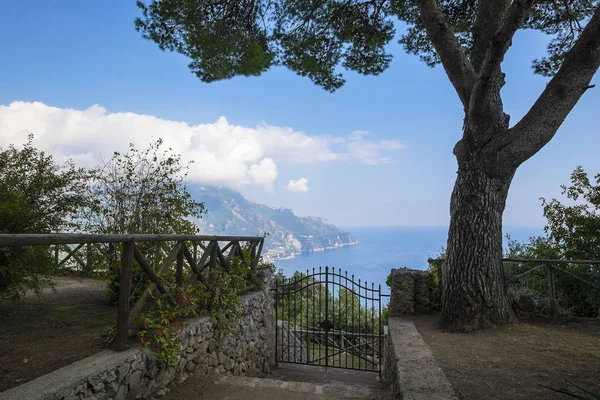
pixel 573 297
pixel 526 301
pixel 435 271
pixel 36 196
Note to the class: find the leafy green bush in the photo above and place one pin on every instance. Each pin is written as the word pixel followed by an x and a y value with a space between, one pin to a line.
pixel 435 271
pixel 527 301
pixel 36 196
pixel 529 293
pixel 218 298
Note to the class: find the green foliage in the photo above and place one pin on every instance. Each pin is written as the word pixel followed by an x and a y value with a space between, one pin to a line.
pixel 304 300
pixel 157 330
pixel 315 39
pixel 218 298
pixel 108 335
pixel 564 23
pixel 435 271
pixel 529 292
pixel 574 228
pixel 232 38
pixel 385 314
pixel 242 266
pixel 266 266
pixel 36 196
pixel 233 43
pixel 140 191
pixel 572 234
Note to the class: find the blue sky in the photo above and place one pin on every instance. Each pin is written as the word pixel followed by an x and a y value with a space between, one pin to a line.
pixel 72 55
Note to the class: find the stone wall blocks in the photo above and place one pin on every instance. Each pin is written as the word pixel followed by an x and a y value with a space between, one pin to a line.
pixel 190 367
pixel 122 371
pixel 212 344
pixel 219 370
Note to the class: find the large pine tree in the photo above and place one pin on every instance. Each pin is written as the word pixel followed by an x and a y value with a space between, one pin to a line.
pixel 468 38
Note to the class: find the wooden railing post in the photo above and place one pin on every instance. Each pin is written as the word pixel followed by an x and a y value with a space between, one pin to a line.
pixel 56 256
pixel 88 258
pixel 124 294
pixel 551 290
pixel 258 253
pixel 179 270
pixel 212 264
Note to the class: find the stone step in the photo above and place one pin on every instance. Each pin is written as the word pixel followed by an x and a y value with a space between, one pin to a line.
pixel 325 389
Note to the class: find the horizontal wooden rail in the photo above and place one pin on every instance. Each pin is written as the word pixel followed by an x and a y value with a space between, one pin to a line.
pixel 29 239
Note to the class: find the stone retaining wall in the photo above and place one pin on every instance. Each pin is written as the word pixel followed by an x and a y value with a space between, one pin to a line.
pixel 136 373
pixel 410 370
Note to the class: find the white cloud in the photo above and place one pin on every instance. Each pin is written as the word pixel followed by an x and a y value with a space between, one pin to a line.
pixel 222 153
pixel 298 186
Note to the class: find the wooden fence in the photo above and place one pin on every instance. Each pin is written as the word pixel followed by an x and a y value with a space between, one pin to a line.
pixel 551 266
pixel 204 253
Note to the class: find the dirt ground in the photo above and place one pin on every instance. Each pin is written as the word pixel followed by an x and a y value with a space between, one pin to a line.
pixel 513 362
pixel 41 334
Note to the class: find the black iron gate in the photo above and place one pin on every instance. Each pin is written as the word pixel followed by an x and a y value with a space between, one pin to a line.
pixel 327 318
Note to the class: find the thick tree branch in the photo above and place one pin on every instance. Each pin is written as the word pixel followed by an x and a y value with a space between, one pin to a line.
pixel 557 100
pixel 483 91
pixel 485 27
pixel 455 62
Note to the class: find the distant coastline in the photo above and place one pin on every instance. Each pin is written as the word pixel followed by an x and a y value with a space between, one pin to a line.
pixel 336 246
pixel 314 250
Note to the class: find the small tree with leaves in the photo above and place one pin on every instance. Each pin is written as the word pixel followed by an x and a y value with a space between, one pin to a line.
pixel 37 195
pixel 575 228
pixel 140 191
pixel 572 229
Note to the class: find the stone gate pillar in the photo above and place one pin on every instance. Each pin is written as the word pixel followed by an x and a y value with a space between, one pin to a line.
pixel 410 292
pixel 269 317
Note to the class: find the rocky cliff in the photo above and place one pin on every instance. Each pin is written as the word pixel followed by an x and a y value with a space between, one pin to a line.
pixel 229 213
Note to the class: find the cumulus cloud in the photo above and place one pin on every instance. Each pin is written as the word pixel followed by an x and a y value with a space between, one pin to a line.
pixel 298 186
pixel 222 153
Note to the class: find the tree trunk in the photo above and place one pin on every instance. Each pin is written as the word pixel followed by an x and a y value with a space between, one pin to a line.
pixel 474 294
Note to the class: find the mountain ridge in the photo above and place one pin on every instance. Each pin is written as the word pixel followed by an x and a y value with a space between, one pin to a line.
pixel 230 213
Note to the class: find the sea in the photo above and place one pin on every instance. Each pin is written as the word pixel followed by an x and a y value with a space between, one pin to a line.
pixel 380 249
